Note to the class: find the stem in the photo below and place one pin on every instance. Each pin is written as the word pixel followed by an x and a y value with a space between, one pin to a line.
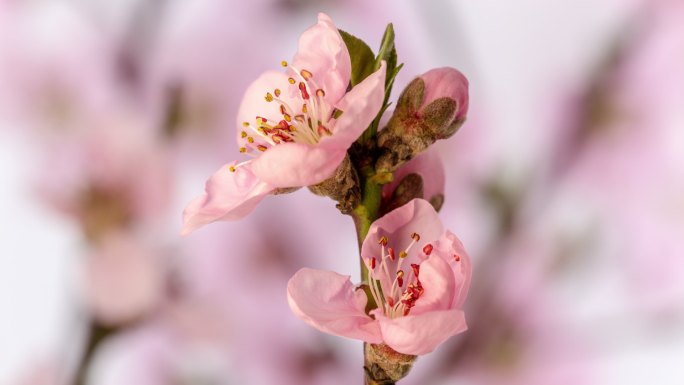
pixel 364 214
pixel 96 334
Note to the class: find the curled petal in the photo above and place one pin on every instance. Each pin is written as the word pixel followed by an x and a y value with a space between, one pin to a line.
pixel 360 106
pixel 322 52
pixel 328 301
pixel 438 283
pixel 298 164
pixel 451 249
pixel 228 196
pixel 420 334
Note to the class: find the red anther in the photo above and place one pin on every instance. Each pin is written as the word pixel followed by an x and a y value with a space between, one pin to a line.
pixel 390 301
pixel 383 241
pixel 400 281
pixel 416 269
pixel 302 89
pixel 282 109
pixel 323 130
pixel 373 263
pixel 457 258
pixel 427 249
pixel 283 125
pixel 391 254
pixel 406 311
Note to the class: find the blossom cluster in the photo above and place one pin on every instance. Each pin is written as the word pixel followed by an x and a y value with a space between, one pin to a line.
pixel 315 125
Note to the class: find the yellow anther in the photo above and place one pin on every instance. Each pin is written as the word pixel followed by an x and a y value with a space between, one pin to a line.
pixel 246 124
pixel 268 97
pixel 304 109
pixel 402 254
pixel 243 149
pixel 287 118
pixel 231 169
pixel 243 134
pixel 277 92
pixel 261 147
pixel 283 63
pixel 250 139
pixel 291 80
pixel 306 74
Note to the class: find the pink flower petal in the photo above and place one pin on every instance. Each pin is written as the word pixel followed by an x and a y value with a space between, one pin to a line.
pixel 254 103
pixel 420 334
pixel 228 196
pixel 438 281
pixel 328 301
pixel 416 216
pixel 297 164
pixel 447 247
pixel 360 106
pixel 322 52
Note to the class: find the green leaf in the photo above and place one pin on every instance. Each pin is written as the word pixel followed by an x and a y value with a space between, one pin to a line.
pixel 362 57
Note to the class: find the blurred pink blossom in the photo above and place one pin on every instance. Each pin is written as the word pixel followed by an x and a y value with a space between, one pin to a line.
pixel 113 175
pixel 123 279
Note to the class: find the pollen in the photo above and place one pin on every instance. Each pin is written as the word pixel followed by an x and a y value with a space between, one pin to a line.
pixel 306 74
pixel 245 124
pixel 261 148
pixel 268 97
pixel 277 92
pixel 283 63
pixel 291 80
pixel 231 168
pixel 250 139
pixel 243 149
pixel 402 254
pixel 243 134
pixel 287 117
pixel 383 240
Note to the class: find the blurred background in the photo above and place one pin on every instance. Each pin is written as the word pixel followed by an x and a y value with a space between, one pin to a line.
pixel 566 186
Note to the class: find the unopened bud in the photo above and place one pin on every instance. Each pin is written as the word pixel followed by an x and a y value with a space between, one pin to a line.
pixel 384 365
pixel 432 107
pixel 342 186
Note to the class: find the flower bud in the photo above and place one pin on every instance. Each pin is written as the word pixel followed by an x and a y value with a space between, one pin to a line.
pixel 384 365
pixel 343 187
pixel 432 107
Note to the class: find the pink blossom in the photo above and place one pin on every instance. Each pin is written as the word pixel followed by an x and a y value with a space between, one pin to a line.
pixel 446 82
pixel 419 290
pixel 112 176
pixel 290 124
